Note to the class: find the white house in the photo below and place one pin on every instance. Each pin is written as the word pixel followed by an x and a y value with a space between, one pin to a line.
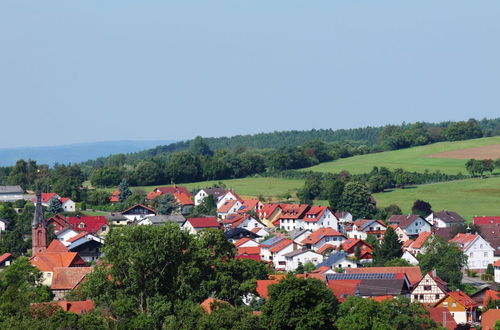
pixel 338 260
pixel 320 217
pixel 298 235
pixel 478 251
pixel 67 204
pixel 245 242
pixel 429 290
pixel 417 246
pixel 295 258
pixel 217 193
pixel 322 236
pixel 408 256
pixel 229 195
pixel 496 265
pixel 411 224
pixel 3 224
pixel 11 193
pixel 274 249
pixel 228 207
pixel 138 212
pixel 362 228
pixel 64 235
pixel 195 225
pixel 246 221
pixel 344 217
pixel 445 219
pixel 292 216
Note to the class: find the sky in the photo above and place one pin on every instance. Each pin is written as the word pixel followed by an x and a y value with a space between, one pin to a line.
pixel 93 70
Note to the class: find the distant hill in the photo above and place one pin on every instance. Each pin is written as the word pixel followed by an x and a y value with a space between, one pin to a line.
pixel 75 153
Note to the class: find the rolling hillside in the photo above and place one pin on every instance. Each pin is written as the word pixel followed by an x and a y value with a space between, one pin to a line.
pixel 412 159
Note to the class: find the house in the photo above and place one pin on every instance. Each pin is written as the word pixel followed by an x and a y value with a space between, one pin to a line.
pixel 250 205
pixel 67 204
pixel 245 242
pixel 235 234
pixel 496 266
pixel 4 223
pixel 416 246
pixel 461 306
pixel 11 193
pixel 184 202
pixel 403 237
pixel 344 217
pixel 445 219
pixel 67 233
pixel 298 235
pixel 269 213
pixel 489 319
pixel 429 290
pixel 491 234
pixel 168 190
pixel 88 246
pixel 362 228
pixel 117 219
pixel 138 212
pixel 323 236
pixel 115 196
pixel 75 306
pixel 478 251
pixel 338 260
pixel 320 217
pixel 278 252
pixel 486 220
pixel 488 295
pixel 160 220
pixel 56 255
pixel 229 195
pixel 195 225
pixel 91 224
pixel 295 258
pixel 252 252
pixel 342 289
pixel 443 317
pixel 292 215
pixel 261 231
pixel 66 279
pixel 262 287
pixel 408 256
pixel 354 247
pixel 411 224
pixel 236 220
pixel 5 260
pixel 216 192
pixel 369 285
pixel 209 304
pixel 413 273
pixel 228 207
pixel 267 245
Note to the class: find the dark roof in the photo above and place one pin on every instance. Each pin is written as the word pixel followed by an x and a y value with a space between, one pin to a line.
pixel 491 234
pixel 11 190
pixel 297 252
pixel 382 287
pixel 362 276
pixel 449 216
pixel 4 221
pixel 216 192
pixel 332 259
pixel 444 232
pixel 404 221
pixel 239 233
pixel 139 206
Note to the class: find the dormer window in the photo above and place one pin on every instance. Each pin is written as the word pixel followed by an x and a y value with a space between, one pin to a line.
pixel 81 225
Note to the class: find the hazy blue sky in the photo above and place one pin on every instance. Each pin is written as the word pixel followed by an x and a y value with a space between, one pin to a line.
pixel 81 71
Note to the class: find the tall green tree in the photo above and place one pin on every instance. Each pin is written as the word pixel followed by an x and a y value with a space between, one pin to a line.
pixel 165 204
pixel 198 146
pixel 55 206
pixel 421 208
pixel 388 249
pixel 356 199
pixel 124 190
pixel 298 303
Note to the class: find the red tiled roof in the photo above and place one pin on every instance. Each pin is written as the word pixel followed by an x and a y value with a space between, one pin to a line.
pixel 242 241
pixel 64 199
pixel 56 246
pixel 204 222
pixel 235 219
pixel 382 298
pixel 486 220
pixel 5 257
pixel 343 288
pixel 226 207
pixel 267 210
pixel 183 199
pixel 463 240
pixel 249 205
pixel 173 190
pixel 153 194
pixel 263 287
pixel 114 198
pixel 442 316
pixel 326 247
pixel 293 211
pixel 315 213
pixel 350 243
pixel 74 238
pixel 407 243
pixel 207 304
pixel 320 270
pixel 320 233
pixel 420 240
pixel 413 274
pixel 46 197
pixel 67 278
pixel 490 295
pixel 496 263
pixel 489 319
pixel 281 245
pixel 46 262
pixel 92 224
pixel 462 298
pixel 249 250
pixel 78 307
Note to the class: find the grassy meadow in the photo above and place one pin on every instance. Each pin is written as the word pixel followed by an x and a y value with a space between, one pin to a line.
pixel 411 159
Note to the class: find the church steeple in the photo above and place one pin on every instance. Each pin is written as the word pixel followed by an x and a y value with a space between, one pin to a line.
pixel 38 228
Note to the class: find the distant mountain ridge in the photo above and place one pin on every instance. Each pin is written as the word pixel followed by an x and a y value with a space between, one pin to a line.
pixel 75 153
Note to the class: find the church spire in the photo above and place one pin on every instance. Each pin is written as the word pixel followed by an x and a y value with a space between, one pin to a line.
pixel 38 228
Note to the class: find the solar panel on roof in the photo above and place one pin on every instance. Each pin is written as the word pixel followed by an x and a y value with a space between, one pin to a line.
pixel 360 276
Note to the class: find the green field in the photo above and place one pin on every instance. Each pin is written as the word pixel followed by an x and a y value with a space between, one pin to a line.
pixel 411 159
pixel 469 197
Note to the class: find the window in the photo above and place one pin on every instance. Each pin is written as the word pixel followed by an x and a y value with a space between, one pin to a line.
pixel 427 287
pixel 421 297
pixel 445 304
pixel 437 297
pixel 327 239
pixel 415 296
pixel 453 304
pixel 486 254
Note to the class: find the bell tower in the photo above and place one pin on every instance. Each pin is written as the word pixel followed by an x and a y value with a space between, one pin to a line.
pixel 38 228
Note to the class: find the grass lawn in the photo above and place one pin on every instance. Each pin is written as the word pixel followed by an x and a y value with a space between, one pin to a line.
pixel 94 213
pixel 469 197
pixel 412 159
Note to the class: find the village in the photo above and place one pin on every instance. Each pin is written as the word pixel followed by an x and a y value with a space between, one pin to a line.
pixel 307 241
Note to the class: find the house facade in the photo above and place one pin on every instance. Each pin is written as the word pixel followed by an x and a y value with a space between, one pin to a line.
pixel 429 290
pixel 445 219
pixel 11 193
pixel 320 217
pixel 411 224
pixel 297 257
pixel 461 306
pixel 478 251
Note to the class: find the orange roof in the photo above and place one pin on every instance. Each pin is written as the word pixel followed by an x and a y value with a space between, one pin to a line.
pixel 490 295
pixel 343 288
pixel 293 211
pixel 489 318
pixel 267 210
pixel 249 250
pixel 413 273
pixel 183 199
pixel 209 302
pixel 4 257
pixel 407 243
pixel 153 194
pixel 350 243
pixel 326 247
pixel 46 262
pixel 281 245
pixel 56 246
pixel 314 213
pixel 242 241
pixel 226 207
pixel 78 307
pixel 442 316
pixel 496 263
pixel 318 234
pixel 420 240
pixel 74 238
pixel 67 278
pixel 382 298
pixel 248 205
pixel 320 270
pixel 263 287
pixel 463 299
pixel 463 240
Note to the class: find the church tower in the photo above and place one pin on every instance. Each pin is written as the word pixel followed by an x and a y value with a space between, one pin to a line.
pixel 38 228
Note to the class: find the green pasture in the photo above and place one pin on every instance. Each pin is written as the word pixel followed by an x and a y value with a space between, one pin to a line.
pixel 411 159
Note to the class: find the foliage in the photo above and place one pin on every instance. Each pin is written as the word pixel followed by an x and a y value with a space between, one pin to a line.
pixel 124 191
pixel 446 258
pixel 397 262
pixel 207 207
pixel 356 199
pixel 55 206
pixel 478 167
pixel 165 204
pixel 463 130
pixel 107 176
pixel 421 208
pixel 298 303
pixel 388 249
